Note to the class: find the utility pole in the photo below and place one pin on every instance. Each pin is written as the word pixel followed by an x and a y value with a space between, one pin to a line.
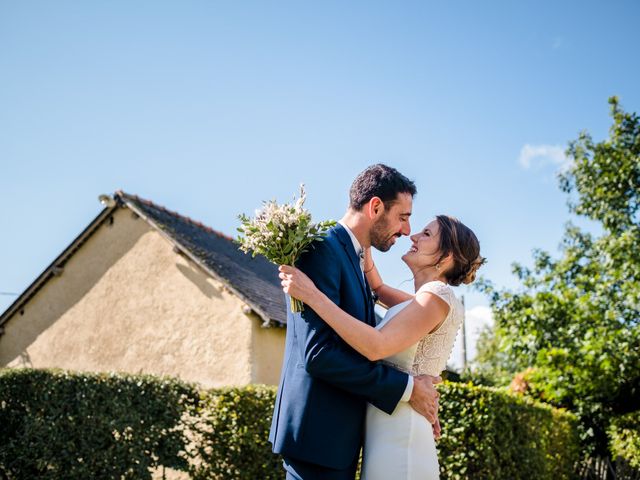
pixel 464 335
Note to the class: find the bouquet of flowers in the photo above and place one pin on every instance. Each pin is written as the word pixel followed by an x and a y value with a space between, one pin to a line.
pixel 281 233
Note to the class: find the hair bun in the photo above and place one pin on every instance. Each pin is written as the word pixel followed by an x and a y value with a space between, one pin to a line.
pixel 470 274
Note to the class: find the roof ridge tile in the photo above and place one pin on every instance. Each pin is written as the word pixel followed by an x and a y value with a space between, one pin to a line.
pixel 175 214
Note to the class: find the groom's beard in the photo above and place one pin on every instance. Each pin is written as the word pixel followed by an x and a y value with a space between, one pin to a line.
pixel 380 236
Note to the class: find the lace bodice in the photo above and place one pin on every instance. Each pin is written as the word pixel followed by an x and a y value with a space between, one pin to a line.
pixel 429 356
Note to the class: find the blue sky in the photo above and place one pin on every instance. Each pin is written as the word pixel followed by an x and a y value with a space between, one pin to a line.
pixel 208 108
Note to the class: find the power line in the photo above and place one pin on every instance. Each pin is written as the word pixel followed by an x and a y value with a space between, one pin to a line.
pixel 9 293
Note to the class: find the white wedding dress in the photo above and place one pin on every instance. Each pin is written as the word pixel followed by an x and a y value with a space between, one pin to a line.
pixel 401 446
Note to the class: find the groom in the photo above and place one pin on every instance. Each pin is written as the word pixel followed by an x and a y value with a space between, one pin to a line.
pixel 325 385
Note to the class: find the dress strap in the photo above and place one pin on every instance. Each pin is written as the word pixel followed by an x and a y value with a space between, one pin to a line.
pixel 438 288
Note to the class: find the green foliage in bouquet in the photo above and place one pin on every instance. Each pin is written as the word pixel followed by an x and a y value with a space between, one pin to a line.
pixel 281 233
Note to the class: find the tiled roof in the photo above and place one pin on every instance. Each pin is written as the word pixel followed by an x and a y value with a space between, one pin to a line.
pixel 254 280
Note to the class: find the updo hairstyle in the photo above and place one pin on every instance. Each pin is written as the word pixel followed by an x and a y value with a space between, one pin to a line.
pixel 458 239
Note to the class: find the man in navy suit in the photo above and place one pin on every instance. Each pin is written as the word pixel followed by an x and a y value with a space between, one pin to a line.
pixel 325 385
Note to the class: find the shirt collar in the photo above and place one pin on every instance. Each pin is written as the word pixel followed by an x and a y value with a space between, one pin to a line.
pixel 356 244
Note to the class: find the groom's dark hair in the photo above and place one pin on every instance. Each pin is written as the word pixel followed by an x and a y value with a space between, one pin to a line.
pixel 379 181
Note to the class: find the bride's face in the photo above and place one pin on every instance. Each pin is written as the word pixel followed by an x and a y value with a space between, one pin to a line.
pixel 425 247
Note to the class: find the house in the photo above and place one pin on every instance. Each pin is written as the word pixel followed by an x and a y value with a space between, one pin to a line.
pixel 145 289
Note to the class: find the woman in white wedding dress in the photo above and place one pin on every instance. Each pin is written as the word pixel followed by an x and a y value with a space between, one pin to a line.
pixel 415 336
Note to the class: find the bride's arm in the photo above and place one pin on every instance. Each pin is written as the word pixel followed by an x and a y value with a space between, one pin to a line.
pixel 387 295
pixel 420 317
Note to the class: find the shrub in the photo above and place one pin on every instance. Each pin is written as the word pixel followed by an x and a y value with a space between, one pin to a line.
pixel 61 425
pixel 57 424
pixel 624 435
pixel 233 435
pixel 490 434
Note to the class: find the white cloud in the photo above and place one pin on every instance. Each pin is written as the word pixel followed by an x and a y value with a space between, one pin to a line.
pixel 557 43
pixel 538 156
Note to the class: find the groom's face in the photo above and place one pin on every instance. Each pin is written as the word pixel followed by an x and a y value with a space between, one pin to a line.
pixel 393 223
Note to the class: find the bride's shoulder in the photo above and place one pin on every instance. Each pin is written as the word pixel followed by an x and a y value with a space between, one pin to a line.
pixel 440 289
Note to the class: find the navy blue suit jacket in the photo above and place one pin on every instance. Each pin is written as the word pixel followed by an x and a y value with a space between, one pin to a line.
pixel 325 384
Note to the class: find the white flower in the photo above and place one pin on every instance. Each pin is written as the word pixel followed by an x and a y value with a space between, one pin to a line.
pixel 280 232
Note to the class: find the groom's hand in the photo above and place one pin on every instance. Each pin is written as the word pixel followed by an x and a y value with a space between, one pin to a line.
pixel 424 397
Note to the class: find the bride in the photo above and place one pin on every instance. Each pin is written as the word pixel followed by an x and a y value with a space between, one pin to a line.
pixel 415 336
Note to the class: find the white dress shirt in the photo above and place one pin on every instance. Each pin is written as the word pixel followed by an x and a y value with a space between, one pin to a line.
pixel 406 396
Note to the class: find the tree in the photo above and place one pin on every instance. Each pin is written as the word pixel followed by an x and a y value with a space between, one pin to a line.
pixel 576 319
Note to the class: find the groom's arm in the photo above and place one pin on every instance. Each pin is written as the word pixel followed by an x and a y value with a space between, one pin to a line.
pixel 328 357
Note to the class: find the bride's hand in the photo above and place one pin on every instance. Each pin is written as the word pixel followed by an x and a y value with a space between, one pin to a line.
pixel 437 429
pixel 297 284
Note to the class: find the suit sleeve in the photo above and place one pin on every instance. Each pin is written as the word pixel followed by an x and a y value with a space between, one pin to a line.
pixel 327 356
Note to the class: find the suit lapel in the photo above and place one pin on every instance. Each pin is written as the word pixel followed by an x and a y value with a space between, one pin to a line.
pixel 344 238
pixel 370 304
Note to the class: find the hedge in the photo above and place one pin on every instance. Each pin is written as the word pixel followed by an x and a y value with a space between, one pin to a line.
pixel 624 438
pixel 56 424
pixel 488 433
pixel 233 435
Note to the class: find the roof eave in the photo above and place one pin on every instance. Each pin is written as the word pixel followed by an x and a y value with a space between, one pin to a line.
pixel 53 269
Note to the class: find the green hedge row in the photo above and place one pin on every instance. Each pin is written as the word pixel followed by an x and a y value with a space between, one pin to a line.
pixel 233 432
pixel 490 434
pixel 56 424
pixel 62 425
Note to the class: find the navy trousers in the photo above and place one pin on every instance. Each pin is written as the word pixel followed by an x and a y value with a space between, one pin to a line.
pixel 297 470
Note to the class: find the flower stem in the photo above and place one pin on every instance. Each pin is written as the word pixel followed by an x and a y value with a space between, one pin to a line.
pixel 296 305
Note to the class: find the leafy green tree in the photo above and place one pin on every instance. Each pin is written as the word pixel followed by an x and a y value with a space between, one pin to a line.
pixel 576 319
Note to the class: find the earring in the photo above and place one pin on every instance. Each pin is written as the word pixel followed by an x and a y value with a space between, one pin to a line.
pixel 437 266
